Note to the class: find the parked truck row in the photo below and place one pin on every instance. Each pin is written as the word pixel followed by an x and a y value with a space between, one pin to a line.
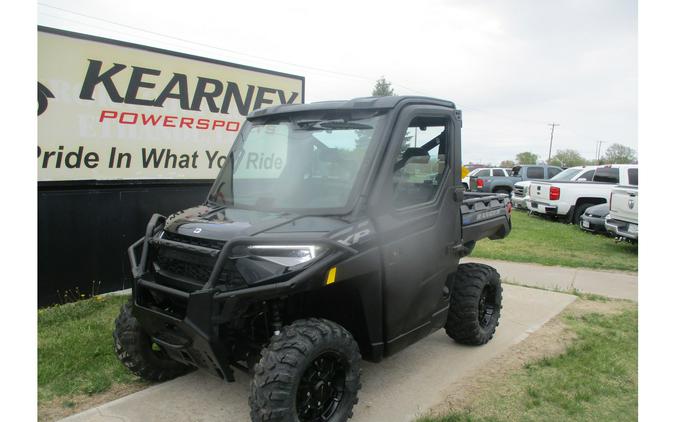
pixel 600 198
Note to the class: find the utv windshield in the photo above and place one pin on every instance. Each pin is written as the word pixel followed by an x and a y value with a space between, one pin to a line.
pixel 305 162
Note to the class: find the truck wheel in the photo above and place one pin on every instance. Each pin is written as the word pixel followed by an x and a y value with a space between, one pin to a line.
pixel 475 304
pixel 579 210
pixel 135 349
pixel 310 371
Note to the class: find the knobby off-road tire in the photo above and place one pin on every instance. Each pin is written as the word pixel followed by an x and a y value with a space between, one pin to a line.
pixel 135 350
pixel 309 361
pixel 475 304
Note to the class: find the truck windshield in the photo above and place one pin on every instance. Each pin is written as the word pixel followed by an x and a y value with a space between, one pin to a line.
pixel 566 175
pixel 295 164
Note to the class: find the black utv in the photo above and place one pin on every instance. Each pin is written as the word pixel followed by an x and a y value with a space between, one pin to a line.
pixel 332 233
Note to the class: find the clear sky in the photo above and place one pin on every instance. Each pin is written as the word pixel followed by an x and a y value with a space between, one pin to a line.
pixel 511 66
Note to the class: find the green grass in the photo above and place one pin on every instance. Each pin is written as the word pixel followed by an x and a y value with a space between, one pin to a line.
pixel 75 349
pixel 538 240
pixel 594 380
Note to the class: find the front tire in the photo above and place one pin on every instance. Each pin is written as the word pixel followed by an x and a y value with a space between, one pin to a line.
pixel 135 349
pixel 475 304
pixel 309 372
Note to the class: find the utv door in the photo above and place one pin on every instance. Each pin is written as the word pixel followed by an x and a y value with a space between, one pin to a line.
pixel 418 220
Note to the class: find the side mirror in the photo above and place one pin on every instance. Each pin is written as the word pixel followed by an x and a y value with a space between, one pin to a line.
pixel 582 179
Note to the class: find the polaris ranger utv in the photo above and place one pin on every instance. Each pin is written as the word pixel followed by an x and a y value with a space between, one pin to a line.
pixel 333 232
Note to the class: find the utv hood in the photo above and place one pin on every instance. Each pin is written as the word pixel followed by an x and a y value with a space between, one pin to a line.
pixel 223 224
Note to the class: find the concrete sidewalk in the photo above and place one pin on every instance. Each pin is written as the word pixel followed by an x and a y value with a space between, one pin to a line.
pixel 614 284
pixel 400 388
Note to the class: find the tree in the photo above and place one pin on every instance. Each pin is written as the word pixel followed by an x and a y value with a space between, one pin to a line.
pixel 383 88
pixel 507 164
pixel 567 158
pixel 526 158
pixel 619 154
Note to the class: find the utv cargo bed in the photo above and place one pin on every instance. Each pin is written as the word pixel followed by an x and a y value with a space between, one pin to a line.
pixel 485 215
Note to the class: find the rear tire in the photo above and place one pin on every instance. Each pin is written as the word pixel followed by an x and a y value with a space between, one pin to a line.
pixel 135 349
pixel 310 371
pixel 504 191
pixel 579 210
pixel 475 304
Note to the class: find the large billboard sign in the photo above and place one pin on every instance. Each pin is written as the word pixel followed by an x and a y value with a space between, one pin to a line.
pixel 110 110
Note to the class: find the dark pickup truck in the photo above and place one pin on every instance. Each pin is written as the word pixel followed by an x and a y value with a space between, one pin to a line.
pixel 345 245
pixel 499 184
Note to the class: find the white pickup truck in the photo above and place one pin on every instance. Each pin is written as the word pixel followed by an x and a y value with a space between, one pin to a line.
pixel 521 190
pixel 570 199
pixel 622 220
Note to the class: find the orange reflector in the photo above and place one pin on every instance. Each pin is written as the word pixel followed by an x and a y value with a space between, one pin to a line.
pixel 330 278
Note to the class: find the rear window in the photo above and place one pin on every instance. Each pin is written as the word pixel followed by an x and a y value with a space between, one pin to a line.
pixel 482 173
pixel 588 175
pixel 566 175
pixel 606 175
pixel 552 171
pixel 633 177
pixel 535 172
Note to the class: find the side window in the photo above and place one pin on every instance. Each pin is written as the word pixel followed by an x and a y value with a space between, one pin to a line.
pixel 499 172
pixel 483 173
pixel 552 171
pixel 588 175
pixel 535 172
pixel 633 177
pixel 606 175
pixel 421 162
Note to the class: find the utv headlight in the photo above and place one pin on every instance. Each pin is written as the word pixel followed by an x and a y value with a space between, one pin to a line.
pixel 286 255
pixel 259 262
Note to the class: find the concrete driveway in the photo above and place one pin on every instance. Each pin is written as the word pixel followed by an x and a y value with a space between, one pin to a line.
pixel 398 389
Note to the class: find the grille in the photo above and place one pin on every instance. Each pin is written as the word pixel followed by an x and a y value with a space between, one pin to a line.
pixel 182 268
pixel 518 191
pixel 197 268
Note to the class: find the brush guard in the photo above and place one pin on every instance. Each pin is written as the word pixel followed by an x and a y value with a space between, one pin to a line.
pixel 194 337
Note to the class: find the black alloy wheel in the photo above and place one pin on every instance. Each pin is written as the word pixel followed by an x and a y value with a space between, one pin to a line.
pixel 487 304
pixel 321 388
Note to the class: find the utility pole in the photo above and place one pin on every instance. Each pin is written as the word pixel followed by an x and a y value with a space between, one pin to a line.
pixel 550 145
pixel 598 150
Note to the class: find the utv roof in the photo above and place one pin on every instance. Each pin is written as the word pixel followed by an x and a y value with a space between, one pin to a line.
pixel 362 103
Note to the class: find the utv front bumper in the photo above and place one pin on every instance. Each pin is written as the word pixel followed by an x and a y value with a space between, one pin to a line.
pixel 194 328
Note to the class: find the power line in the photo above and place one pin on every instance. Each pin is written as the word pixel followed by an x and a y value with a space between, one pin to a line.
pixel 215 47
